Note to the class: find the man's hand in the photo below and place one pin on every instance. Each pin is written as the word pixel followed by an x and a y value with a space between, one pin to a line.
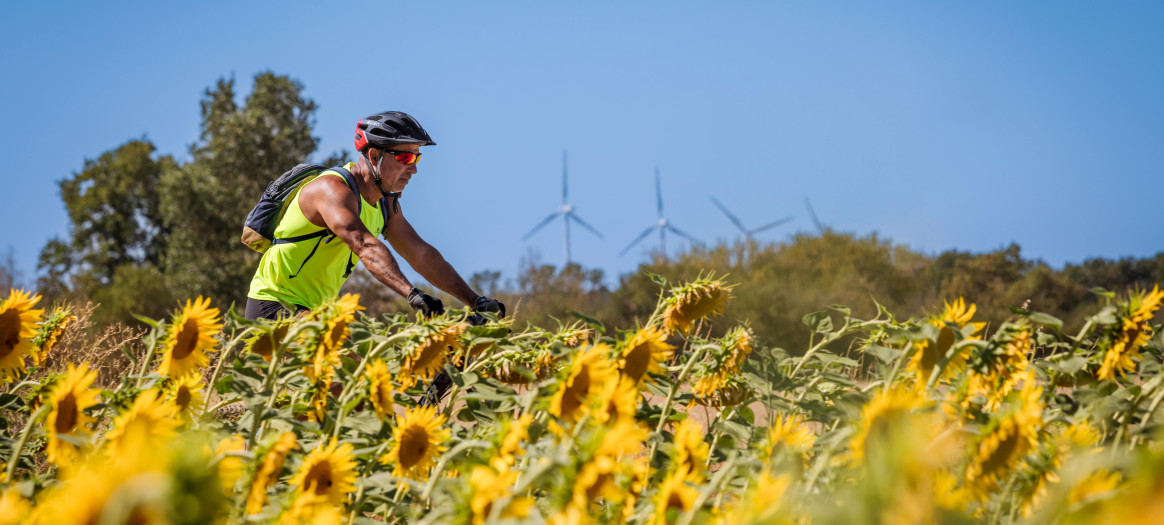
pixel 425 304
pixel 489 304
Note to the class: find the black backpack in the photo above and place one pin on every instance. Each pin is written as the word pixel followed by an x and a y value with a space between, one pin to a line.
pixel 259 228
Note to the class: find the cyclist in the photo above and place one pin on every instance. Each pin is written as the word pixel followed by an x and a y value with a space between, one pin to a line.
pixel 307 273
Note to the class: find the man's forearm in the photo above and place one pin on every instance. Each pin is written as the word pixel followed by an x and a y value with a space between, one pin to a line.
pixel 380 262
pixel 436 270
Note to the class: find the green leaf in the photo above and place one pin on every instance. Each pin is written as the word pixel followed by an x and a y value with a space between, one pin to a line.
pixel 819 322
pixel 1070 365
pixel 593 322
pixel 841 308
pixel 1047 319
pixel 656 278
pixel 886 354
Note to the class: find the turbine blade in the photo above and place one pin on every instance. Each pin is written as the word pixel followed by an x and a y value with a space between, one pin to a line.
pixel 680 233
pixel 565 187
pixel 772 224
pixel 584 225
pixel 542 224
pixel 733 218
pixel 659 192
pixel 812 214
pixel 637 240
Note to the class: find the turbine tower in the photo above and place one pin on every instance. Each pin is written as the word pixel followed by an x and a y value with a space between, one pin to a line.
pixel 748 233
pixel 566 211
pixel 662 224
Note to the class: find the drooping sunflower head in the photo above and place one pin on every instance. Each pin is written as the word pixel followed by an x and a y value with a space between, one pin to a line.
pixel 589 370
pixel 420 438
pixel 269 471
pixel 886 415
pixel 18 325
pixel 329 472
pixel 187 394
pixel 573 335
pixel 51 329
pixel 617 400
pixel 69 399
pixel 380 390
pixel 426 356
pixel 148 424
pixel 1133 331
pixel 694 301
pixel 189 338
pixel 642 354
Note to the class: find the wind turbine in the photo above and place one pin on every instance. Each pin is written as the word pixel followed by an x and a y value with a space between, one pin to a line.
pixel 662 224
pixel 747 233
pixel 811 213
pixel 567 214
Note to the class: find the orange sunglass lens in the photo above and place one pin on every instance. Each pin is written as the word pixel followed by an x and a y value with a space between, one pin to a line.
pixel 407 158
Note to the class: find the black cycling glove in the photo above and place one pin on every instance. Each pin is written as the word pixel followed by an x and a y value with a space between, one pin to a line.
pixel 425 304
pixel 489 304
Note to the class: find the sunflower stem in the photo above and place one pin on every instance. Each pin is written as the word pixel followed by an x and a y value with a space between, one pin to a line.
pixel 24 434
pixel 828 338
pixel 222 357
pixel 145 363
pixel 444 464
pixel 711 487
pixel 671 398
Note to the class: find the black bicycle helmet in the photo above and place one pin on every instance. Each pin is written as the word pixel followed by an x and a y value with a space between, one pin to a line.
pixel 390 128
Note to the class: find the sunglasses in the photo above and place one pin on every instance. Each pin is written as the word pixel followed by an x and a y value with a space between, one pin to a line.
pixel 404 157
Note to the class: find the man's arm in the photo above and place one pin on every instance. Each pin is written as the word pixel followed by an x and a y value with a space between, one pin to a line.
pixel 426 260
pixel 330 201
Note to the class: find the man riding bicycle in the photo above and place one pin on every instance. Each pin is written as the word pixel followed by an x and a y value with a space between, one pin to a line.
pixel 306 274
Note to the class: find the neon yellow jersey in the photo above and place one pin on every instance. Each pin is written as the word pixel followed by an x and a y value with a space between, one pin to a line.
pixel 279 276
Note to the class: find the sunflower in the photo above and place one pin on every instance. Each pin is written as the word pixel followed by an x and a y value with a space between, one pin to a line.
pixel 884 413
pixel 673 498
pixel 690 450
pixel 929 355
pixel 269 471
pixel 336 317
pixel 149 423
pixel 788 433
pixel 328 472
pixel 488 488
pixel 69 399
pixel 310 508
pixel 380 390
pixel 50 332
pixel 189 338
pixel 13 507
pixel 642 354
pixel 762 502
pixel 17 327
pixel 694 301
pixel 1094 485
pixel 617 400
pixel 721 390
pixel 427 357
pixel 230 468
pixel 596 480
pixel 1005 365
pixel 264 343
pixel 588 372
pixel 187 395
pixel 419 440
pixel 1135 330
pixel 516 431
pixel 1006 440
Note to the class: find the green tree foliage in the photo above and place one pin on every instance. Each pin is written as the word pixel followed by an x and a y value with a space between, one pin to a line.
pixel 240 151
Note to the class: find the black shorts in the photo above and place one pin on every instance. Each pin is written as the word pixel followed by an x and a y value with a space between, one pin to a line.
pixel 260 309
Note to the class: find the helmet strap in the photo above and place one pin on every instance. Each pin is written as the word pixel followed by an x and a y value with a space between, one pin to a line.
pixel 376 171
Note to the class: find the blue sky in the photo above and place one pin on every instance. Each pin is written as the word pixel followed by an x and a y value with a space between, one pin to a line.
pixel 941 125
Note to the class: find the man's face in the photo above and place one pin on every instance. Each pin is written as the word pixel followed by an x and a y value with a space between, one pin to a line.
pixel 394 175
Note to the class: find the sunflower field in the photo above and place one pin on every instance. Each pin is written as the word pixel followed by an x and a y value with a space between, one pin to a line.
pixel 329 418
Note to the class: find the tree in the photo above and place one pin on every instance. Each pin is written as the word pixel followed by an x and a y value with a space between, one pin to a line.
pixel 240 151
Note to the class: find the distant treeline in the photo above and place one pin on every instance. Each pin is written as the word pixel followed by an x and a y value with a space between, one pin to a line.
pixel 777 284
pixel 148 232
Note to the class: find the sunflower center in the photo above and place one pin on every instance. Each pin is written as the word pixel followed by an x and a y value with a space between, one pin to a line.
pixel 595 489
pixel 182 397
pixel 186 340
pixel 413 446
pixel 429 354
pixel 1000 458
pixel 576 391
pixel 636 361
pixel 9 332
pixel 66 414
pixel 319 478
